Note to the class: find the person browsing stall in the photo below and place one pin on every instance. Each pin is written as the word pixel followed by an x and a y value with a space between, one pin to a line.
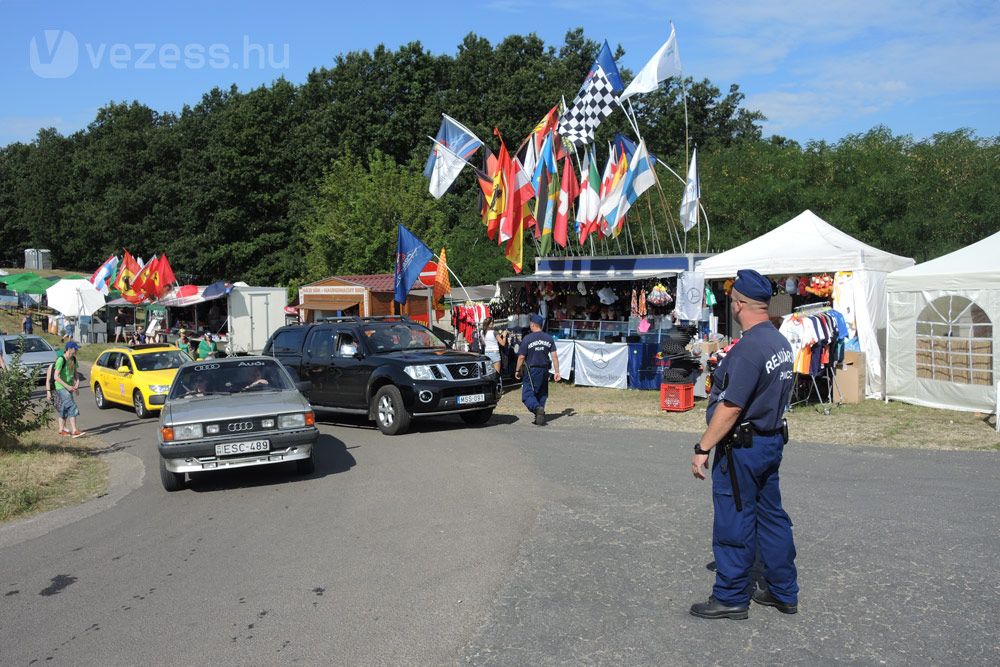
pixel 536 351
pixel 745 415
pixel 207 349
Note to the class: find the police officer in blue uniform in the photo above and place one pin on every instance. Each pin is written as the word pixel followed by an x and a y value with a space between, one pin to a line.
pixel 749 396
pixel 536 349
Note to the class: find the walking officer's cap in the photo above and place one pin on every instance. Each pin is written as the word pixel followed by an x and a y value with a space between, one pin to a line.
pixel 537 319
pixel 752 285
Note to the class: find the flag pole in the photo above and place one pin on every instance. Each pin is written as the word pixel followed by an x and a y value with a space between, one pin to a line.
pixel 635 127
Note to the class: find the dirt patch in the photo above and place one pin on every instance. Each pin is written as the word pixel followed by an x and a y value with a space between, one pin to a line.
pixel 873 423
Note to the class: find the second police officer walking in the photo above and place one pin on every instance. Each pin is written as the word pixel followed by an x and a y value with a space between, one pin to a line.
pixel 536 349
pixel 746 428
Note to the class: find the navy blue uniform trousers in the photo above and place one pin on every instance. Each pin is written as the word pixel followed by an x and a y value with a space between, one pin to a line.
pixel 763 524
pixel 535 387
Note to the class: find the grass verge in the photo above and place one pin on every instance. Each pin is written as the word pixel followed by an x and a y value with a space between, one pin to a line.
pixel 868 423
pixel 42 471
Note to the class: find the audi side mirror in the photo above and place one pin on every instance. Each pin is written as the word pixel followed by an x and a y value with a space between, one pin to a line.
pixel 303 386
pixel 158 399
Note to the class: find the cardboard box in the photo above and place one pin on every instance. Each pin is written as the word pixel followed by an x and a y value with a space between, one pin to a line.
pixel 850 384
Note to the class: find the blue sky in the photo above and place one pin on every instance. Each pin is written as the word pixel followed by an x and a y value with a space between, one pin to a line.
pixel 817 69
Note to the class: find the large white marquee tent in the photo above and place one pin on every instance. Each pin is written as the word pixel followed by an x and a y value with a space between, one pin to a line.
pixel 942 336
pixel 807 244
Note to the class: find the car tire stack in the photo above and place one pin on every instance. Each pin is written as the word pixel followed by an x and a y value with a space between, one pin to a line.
pixel 682 366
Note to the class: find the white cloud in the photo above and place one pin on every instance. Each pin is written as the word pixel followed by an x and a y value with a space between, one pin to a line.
pixel 815 62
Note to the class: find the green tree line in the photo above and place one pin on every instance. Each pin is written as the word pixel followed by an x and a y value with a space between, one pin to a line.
pixel 287 183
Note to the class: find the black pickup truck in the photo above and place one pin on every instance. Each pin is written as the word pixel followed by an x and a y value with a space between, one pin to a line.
pixel 390 369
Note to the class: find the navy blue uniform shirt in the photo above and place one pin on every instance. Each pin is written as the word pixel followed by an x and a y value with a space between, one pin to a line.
pixel 756 375
pixel 536 348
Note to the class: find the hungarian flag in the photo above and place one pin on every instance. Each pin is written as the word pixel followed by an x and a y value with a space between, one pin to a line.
pixel 568 191
pixel 442 283
pixel 588 209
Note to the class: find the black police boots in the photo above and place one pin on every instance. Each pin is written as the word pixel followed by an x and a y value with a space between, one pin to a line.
pixel 764 597
pixel 540 416
pixel 715 609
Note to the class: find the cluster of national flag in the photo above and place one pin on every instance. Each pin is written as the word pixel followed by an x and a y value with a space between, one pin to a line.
pixel 509 182
pixel 136 280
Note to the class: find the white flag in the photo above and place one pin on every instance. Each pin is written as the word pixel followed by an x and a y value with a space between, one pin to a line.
pixel 692 193
pixel 446 168
pixel 664 64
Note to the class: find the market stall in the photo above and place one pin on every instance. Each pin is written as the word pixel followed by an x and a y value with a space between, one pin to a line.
pixel 811 262
pixel 611 316
pixel 941 335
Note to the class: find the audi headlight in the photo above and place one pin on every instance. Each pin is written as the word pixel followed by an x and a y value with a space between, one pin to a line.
pixel 297 420
pixel 159 388
pixel 419 372
pixel 188 432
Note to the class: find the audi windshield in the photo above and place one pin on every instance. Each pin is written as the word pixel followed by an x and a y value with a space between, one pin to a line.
pixel 216 378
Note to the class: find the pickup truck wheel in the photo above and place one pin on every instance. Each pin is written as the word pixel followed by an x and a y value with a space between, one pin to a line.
pixel 139 404
pixel 306 466
pixel 102 404
pixel 477 418
pixel 390 413
pixel 172 481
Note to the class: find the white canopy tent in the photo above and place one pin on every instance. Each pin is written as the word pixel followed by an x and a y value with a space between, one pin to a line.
pixel 941 337
pixel 74 298
pixel 807 244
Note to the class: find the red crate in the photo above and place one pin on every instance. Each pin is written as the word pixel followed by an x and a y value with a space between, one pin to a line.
pixel 676 397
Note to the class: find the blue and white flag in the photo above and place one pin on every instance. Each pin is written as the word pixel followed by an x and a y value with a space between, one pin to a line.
pixel 452 148
pixel 638 179
pixel 411 257
pixel 106 272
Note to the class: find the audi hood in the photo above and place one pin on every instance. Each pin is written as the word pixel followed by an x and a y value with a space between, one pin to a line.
pixel 233 406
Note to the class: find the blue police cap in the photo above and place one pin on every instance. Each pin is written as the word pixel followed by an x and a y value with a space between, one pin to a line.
pixel 537 319
pixel 752 285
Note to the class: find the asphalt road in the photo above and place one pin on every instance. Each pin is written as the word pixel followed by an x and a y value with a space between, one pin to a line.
pixel 508 544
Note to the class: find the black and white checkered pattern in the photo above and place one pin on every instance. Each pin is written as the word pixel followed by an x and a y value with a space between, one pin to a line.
pixel 595 102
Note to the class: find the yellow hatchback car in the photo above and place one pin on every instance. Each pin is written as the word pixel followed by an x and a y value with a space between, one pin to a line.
pixel 131 375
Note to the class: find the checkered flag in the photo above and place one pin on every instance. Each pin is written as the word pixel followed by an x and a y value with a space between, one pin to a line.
pixel 593 103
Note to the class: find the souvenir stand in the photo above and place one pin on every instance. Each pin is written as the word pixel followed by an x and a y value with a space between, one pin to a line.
pixel 198 310
pixel 610 315
pixel 817 267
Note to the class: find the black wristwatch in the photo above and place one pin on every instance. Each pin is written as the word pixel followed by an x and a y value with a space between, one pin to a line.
pixel 698 450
